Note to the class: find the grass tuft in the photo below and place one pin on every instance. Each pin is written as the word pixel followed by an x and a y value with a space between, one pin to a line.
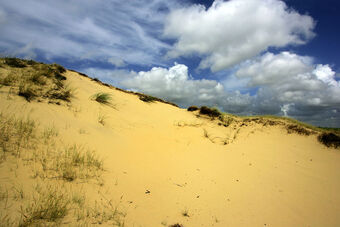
pixel 50 205
pixel 26 91
pixel 148 98
pixel 103 98
pixel 298 129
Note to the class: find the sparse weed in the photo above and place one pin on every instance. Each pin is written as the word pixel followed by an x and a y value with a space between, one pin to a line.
pixel 3 194
pixel 50 205
pixel 78 199
pixel 18 192
pixel 15 134
pixel 185 213
pixel 102 118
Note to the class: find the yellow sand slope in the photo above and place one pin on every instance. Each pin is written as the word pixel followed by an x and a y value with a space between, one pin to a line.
pixel 164 165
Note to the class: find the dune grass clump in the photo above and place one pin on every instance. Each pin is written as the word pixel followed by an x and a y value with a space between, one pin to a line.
pixel 298 129
pixel 33 80
pixel 148 98
pixel 69 164
pixel 27 91
pixel 192 108
pixel 329 139
pixel 211 112
pixel 15 62
pixel 176 225
pixel 15 135
pixel 49 206
pixel 64 93
pixel 103 98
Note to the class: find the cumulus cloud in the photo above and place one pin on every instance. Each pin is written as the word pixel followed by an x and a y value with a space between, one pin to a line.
pixel 283 84
pixel 175 84
pixel 93 30
pixel 293 85
pixel 230 32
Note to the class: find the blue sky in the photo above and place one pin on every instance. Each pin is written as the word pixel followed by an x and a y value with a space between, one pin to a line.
pixel 244 56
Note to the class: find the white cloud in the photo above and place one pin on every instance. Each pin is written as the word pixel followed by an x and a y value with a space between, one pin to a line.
pixel 292 82
pixel 326 74
pixel 174 84
pixel 93 30
pixel 284 84
pixel 230 32
pixel 118 62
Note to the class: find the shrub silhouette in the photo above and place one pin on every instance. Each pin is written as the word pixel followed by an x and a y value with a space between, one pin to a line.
pixel 192 108
pixel 15 62
pixel 211 112
pixel 329 139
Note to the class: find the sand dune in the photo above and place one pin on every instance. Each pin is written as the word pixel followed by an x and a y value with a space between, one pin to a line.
pixel 163 165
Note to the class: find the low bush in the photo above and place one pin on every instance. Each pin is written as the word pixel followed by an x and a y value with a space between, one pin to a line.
pixel 148 98
pixel 298 129
pixel 15 62
pixel 211 112
pixel 192 108
pixel 329 139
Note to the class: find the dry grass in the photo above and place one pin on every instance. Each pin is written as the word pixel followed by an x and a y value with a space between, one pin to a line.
pixel 50 205
pixel 54 199
pixel 16 135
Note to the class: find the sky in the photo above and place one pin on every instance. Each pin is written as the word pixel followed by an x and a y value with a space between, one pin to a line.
pixel 247 57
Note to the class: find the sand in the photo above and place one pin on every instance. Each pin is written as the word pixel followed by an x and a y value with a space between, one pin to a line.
pixel 160 169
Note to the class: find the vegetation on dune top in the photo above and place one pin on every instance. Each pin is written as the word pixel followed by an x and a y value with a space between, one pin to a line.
pixel 330 137
pixel 33 80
